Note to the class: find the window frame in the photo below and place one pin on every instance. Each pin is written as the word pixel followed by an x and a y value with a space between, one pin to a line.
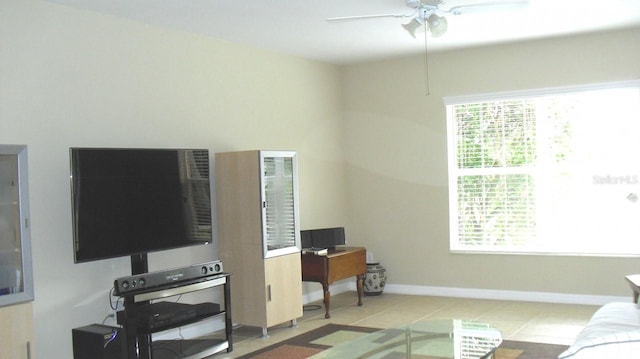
pixel 454 244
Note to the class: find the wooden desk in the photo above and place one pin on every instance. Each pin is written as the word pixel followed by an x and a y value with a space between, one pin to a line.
pixel 339 263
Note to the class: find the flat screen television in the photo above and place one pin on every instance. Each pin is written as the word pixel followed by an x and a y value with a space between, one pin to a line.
pixel 128 202
pixel 322 237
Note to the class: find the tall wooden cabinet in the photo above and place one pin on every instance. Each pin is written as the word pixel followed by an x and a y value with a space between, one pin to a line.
pixel 259 233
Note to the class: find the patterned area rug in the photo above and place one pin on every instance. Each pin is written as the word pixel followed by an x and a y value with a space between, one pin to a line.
pixel 317 340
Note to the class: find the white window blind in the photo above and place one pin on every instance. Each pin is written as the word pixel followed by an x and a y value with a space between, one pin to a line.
pixel 546 172
pixel 197 193
pixel 280 205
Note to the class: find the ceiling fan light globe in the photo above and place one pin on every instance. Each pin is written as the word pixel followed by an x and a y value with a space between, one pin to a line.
pixel 412 26
pixel 437 25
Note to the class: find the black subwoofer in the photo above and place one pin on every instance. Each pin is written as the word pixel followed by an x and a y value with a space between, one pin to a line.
pixel 97 341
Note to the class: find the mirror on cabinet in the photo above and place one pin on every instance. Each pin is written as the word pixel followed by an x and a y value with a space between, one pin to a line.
pixel 16 278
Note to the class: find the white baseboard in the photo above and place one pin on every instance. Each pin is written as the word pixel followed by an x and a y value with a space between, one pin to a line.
pixel 495 294
pixel 337 288
pixel 476 293
pixel 473 293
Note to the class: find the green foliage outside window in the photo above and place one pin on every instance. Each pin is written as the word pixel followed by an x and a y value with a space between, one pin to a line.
pixel 495 208
pixel 523 173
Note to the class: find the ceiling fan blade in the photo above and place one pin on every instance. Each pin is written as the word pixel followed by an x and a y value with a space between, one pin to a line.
pixel 356 17
pixel 434 3
pixel 486 6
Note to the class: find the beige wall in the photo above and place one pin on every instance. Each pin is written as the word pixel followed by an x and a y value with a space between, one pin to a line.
pixel 75 78
pixel 397 160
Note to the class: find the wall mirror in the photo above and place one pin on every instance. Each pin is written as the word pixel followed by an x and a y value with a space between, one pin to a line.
pixel 16 277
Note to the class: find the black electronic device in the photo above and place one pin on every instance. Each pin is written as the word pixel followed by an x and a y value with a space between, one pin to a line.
pixel 322 237
pixel 160 315
pixel 145 281
pixel 128 202
pixel 305 239
pixel 97 341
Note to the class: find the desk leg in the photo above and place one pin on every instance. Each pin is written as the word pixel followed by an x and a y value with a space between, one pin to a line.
pixel 360 286
pixel 327 300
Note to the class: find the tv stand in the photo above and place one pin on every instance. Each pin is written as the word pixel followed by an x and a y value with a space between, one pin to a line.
pixel 139 344
pixel 139 264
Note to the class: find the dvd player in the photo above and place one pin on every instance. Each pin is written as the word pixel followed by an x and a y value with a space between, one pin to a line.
pixel 167 314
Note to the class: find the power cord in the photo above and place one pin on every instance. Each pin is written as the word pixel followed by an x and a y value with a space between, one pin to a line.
pixel 111 300
pixel 113 306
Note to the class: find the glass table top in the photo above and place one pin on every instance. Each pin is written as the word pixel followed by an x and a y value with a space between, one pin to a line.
pixel 456 339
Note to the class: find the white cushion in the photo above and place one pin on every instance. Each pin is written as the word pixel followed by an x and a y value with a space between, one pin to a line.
pixel 612 332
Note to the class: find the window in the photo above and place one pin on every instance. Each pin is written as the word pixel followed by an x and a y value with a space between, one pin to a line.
pixel 554 171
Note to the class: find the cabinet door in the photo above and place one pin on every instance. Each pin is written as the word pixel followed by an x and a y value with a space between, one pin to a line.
pixel 16 283
pixel 279 203
pixel 16 338
pixel 283 288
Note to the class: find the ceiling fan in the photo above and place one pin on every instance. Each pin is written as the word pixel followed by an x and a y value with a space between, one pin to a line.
pixel 431 14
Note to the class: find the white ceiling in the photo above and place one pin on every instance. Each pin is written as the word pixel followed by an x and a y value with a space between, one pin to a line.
pixel 299 27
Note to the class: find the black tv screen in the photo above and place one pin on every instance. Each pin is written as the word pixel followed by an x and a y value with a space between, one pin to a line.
pixel 127 202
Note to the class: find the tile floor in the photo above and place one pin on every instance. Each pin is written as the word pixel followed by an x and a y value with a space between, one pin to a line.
pixel 523 321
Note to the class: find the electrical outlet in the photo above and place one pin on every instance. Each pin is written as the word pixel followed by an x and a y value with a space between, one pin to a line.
pixel 118 305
